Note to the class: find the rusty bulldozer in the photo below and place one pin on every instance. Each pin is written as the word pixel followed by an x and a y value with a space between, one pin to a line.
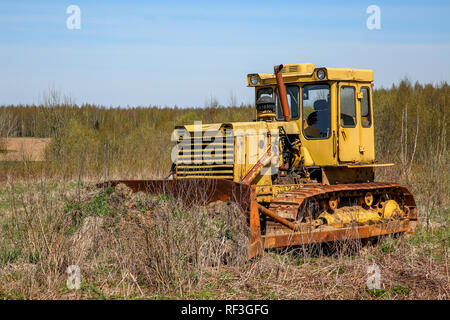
pixel 303 172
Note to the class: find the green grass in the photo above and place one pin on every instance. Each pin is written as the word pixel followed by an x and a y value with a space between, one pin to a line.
pixel 9 255
pixel 379 293
pixel 400 290
pixel 203 295
pixel 98 206
pixel 388 246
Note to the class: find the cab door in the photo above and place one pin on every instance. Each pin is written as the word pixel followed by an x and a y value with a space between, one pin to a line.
pixel 349 133
pixel 366 136
pixel 319 131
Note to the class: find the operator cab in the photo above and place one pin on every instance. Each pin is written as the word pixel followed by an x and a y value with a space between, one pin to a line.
pixel 331 106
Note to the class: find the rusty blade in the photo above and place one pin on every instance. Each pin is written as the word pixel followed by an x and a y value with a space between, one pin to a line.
pixel 191 191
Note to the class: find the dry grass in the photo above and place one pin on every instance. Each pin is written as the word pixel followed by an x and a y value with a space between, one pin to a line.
pixel 125 244
pixel 142 246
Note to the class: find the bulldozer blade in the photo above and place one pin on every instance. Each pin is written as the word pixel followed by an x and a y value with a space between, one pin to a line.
pixel 191 191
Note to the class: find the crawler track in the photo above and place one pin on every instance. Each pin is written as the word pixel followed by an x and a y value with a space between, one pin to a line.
pixel 293 205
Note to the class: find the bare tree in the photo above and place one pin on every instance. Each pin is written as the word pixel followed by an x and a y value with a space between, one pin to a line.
pixel 8 127
pixel 57 113
pixel 53 97
pixel 232 100
pixel 211 102
pixel 407 160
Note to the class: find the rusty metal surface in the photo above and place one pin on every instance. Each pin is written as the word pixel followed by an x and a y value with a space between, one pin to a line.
pixel 255 245
pixel 192 191
pixel 256 169
pixel 277 218
pixel 282 94
pixel 334 234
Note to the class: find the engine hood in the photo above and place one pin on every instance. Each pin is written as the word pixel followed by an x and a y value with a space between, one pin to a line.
pixel 239 128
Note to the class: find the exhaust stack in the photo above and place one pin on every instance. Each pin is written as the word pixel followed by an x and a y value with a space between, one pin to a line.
pixel 282 94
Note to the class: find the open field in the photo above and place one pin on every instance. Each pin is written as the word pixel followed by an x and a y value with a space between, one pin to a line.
pixel 24 149
pixel 142 246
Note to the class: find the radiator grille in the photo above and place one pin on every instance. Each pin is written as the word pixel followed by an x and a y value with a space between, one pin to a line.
pixel 204 157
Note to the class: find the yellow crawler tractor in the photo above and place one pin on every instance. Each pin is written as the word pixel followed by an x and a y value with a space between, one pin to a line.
pixel 303 171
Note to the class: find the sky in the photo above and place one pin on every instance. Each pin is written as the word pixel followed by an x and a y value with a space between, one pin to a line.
pixel 167 53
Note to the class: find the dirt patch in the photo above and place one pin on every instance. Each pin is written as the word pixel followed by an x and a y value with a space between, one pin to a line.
pixel 24 149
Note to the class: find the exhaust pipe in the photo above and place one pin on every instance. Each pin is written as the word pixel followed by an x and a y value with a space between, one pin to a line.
pixel 282 94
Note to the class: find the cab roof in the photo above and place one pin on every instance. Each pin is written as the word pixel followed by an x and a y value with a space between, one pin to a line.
pixel 307 72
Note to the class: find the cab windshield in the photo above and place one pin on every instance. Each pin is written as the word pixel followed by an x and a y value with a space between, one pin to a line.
pixel 293 100
pixel 316 111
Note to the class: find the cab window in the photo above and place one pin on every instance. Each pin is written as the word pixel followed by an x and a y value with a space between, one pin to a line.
pixel 348 107
pixel 366 119
pixel 293 101
pixel 264 92
pixel 316 111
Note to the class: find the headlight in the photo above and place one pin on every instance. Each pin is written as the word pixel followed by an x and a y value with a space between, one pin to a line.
pixel 321 74
pixel 254 79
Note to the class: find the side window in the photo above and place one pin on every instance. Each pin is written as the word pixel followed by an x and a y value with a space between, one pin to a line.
pixel 348 107
pixel 366 119
pixel 293 101
pixel 316 111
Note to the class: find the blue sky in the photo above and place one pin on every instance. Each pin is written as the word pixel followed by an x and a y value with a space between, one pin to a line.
pixel 183 52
